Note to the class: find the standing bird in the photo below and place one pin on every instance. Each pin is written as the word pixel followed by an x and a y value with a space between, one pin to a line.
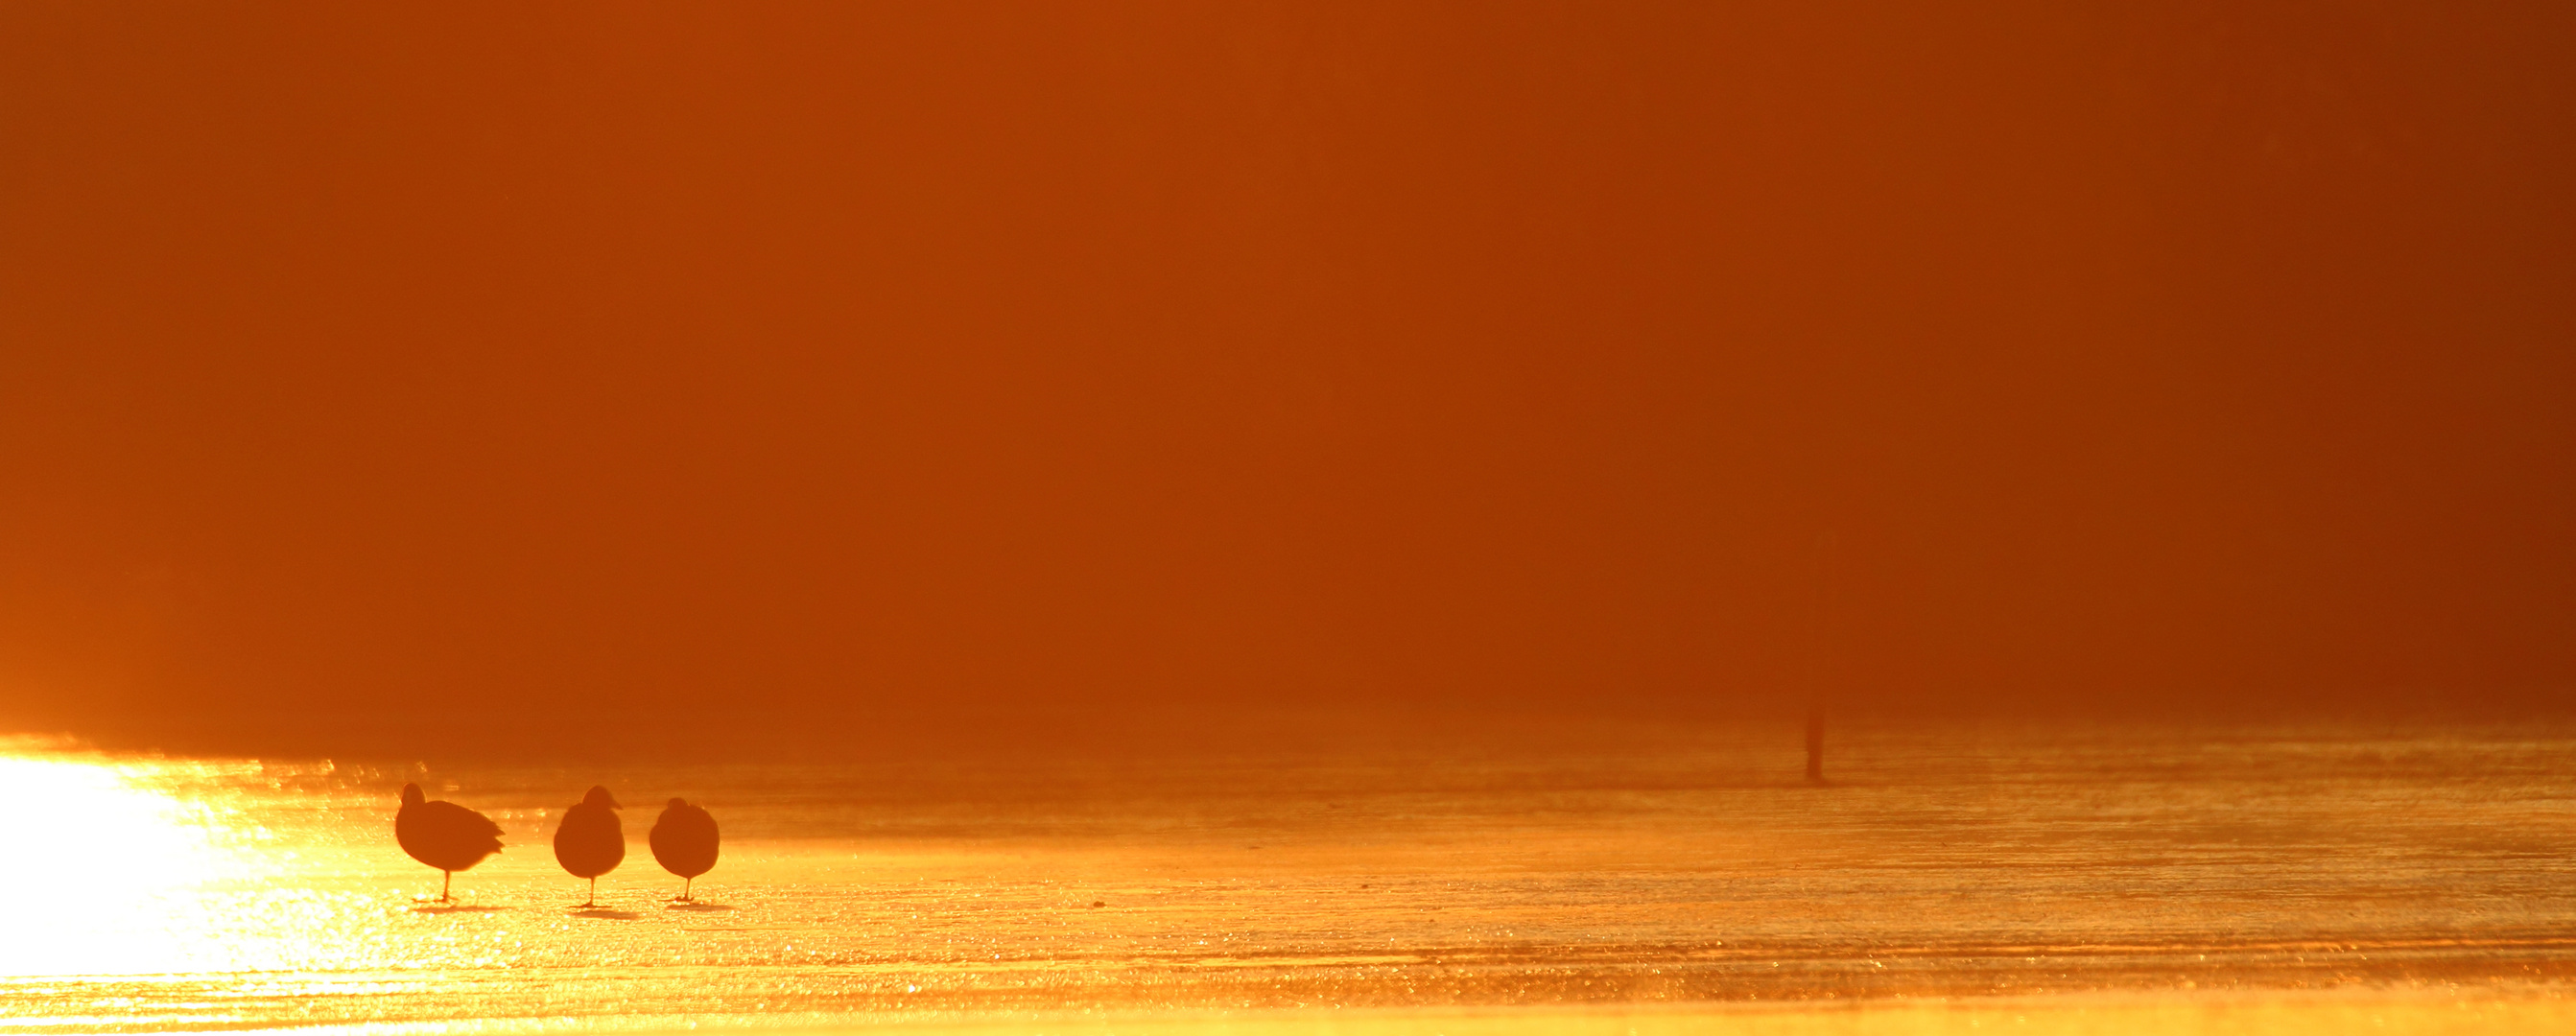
pixel 589 842
pixel 444 835
pixel 684 843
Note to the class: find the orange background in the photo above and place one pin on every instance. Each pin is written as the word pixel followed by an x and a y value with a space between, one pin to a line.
pixel 896 363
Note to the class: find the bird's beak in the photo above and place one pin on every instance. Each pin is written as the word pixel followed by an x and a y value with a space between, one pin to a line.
pixel 612 803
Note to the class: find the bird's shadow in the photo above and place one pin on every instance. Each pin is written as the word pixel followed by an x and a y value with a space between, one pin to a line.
pixel 604 913
pixel 697 906
pixel 457 909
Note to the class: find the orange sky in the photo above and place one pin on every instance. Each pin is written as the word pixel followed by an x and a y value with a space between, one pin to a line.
pixel 888 361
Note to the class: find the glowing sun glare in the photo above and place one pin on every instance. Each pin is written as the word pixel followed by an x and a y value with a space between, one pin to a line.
pixel 102 869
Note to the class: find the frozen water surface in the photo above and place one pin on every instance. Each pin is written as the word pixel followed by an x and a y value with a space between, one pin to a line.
pixel 1650 869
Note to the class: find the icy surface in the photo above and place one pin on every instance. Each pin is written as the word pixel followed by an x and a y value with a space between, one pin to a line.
pixel 1675 867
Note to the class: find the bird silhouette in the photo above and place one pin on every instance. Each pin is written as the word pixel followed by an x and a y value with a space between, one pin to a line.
pixel 444 835
pixel 589 842
pixel 684 843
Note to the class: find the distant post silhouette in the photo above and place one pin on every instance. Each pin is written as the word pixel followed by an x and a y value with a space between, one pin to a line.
pixel 1820 653
pixel 1815 744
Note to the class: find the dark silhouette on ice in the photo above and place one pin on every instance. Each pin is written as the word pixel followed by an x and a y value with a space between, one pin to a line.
pixel 589 842
pixel 1815 745
pixel 684 843
pixel 444 835
pixel 1820 661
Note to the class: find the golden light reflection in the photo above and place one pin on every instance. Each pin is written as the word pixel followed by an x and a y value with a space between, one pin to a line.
pixel 190 894
pixel 104 871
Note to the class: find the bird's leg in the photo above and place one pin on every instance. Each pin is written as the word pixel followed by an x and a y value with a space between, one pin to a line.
pixel 594 894
pixel 445 879
pixel 684 889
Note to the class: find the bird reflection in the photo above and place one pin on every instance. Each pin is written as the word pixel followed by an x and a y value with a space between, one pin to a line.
pixel 444 835
pixel 684 843
pixel 590 842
